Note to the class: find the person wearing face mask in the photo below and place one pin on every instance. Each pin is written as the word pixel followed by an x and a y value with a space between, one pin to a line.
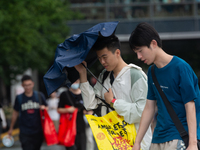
pixel 73 98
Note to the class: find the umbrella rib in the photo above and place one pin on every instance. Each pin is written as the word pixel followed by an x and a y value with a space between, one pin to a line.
pixel 95 77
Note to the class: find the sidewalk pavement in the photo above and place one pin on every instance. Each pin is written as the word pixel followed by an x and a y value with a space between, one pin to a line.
pixel 17 145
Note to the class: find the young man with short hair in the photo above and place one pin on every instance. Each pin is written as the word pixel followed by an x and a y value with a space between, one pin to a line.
pixel 127 85
pixel 180 85
pixel 27 107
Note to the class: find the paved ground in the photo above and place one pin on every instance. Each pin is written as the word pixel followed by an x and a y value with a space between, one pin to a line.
pixel 17 146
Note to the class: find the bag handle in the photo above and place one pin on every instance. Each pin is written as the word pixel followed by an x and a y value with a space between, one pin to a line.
pixel 183 133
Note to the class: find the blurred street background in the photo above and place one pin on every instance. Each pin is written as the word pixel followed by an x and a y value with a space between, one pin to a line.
pixel 31 30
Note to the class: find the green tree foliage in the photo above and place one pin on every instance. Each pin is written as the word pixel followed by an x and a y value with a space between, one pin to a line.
pixel 30 31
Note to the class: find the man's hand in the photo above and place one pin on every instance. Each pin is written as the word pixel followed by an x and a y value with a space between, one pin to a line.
pixel 192 147
pixel 71 109
pixel 10 132
pixel 82 72
pixel 66 110
pixel 87 112
pixel 80 68
pixel 42 107
pixel 136 146
pixel 109 96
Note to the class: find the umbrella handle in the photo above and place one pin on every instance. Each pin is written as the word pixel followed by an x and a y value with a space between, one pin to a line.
pixel 95 77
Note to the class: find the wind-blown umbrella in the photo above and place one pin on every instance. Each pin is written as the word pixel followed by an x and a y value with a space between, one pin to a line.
pixel 72 52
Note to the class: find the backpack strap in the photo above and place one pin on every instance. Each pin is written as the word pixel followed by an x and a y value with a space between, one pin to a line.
pixel 19 98
pixel 105 75
pixel 38 96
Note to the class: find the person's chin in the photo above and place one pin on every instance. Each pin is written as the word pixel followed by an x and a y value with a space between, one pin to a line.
pixel 147 62
pixel 108 69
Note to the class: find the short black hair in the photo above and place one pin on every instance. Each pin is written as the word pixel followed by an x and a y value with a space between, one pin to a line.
pixel 26 77
pixel 112 43
pixel 143 34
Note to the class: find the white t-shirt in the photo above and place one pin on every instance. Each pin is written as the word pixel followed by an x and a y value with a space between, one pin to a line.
pixel 52 108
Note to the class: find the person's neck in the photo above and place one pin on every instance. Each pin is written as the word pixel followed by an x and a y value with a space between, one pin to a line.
pixel 119 67
pixel 162 59
pixel 28 94
pixel 75 91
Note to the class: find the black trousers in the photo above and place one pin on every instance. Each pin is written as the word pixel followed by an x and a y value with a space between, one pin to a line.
pixel 80 142
pixel 71 148
pixel 31 142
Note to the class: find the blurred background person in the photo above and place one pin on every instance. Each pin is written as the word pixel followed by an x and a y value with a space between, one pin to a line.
pixel 3 123
pixel 52 109
pixel 89 135
pixel 27 106
pixel 73 98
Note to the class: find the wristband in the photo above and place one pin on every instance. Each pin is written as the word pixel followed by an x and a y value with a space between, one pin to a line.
pixel 113 100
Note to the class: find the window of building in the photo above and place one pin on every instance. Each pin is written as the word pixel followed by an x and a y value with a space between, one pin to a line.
pixel 134 9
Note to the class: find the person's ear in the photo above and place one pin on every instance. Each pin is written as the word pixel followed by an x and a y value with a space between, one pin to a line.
pixel 154 44
pixel 118 52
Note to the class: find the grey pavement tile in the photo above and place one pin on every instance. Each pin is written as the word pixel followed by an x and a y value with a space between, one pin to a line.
pixel 17 146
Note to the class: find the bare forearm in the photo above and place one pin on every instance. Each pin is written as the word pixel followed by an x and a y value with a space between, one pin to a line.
pixel 66 110
pixel 14 118
pixel 146 119
pixel 83 77
pixel 191 122
pixel 82 71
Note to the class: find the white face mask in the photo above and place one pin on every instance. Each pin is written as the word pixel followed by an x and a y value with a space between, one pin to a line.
pixel 75 86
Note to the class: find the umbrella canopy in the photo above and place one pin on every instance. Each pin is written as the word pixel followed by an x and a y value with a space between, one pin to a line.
pixel 72 52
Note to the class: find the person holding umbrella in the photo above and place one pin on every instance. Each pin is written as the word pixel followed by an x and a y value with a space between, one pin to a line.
pixel 127 85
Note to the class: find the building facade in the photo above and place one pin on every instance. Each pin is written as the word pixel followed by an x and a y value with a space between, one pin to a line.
pixel 177 21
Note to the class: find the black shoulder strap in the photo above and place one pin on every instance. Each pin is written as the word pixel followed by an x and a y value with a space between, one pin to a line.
pixel 183 133
pixel 105 75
